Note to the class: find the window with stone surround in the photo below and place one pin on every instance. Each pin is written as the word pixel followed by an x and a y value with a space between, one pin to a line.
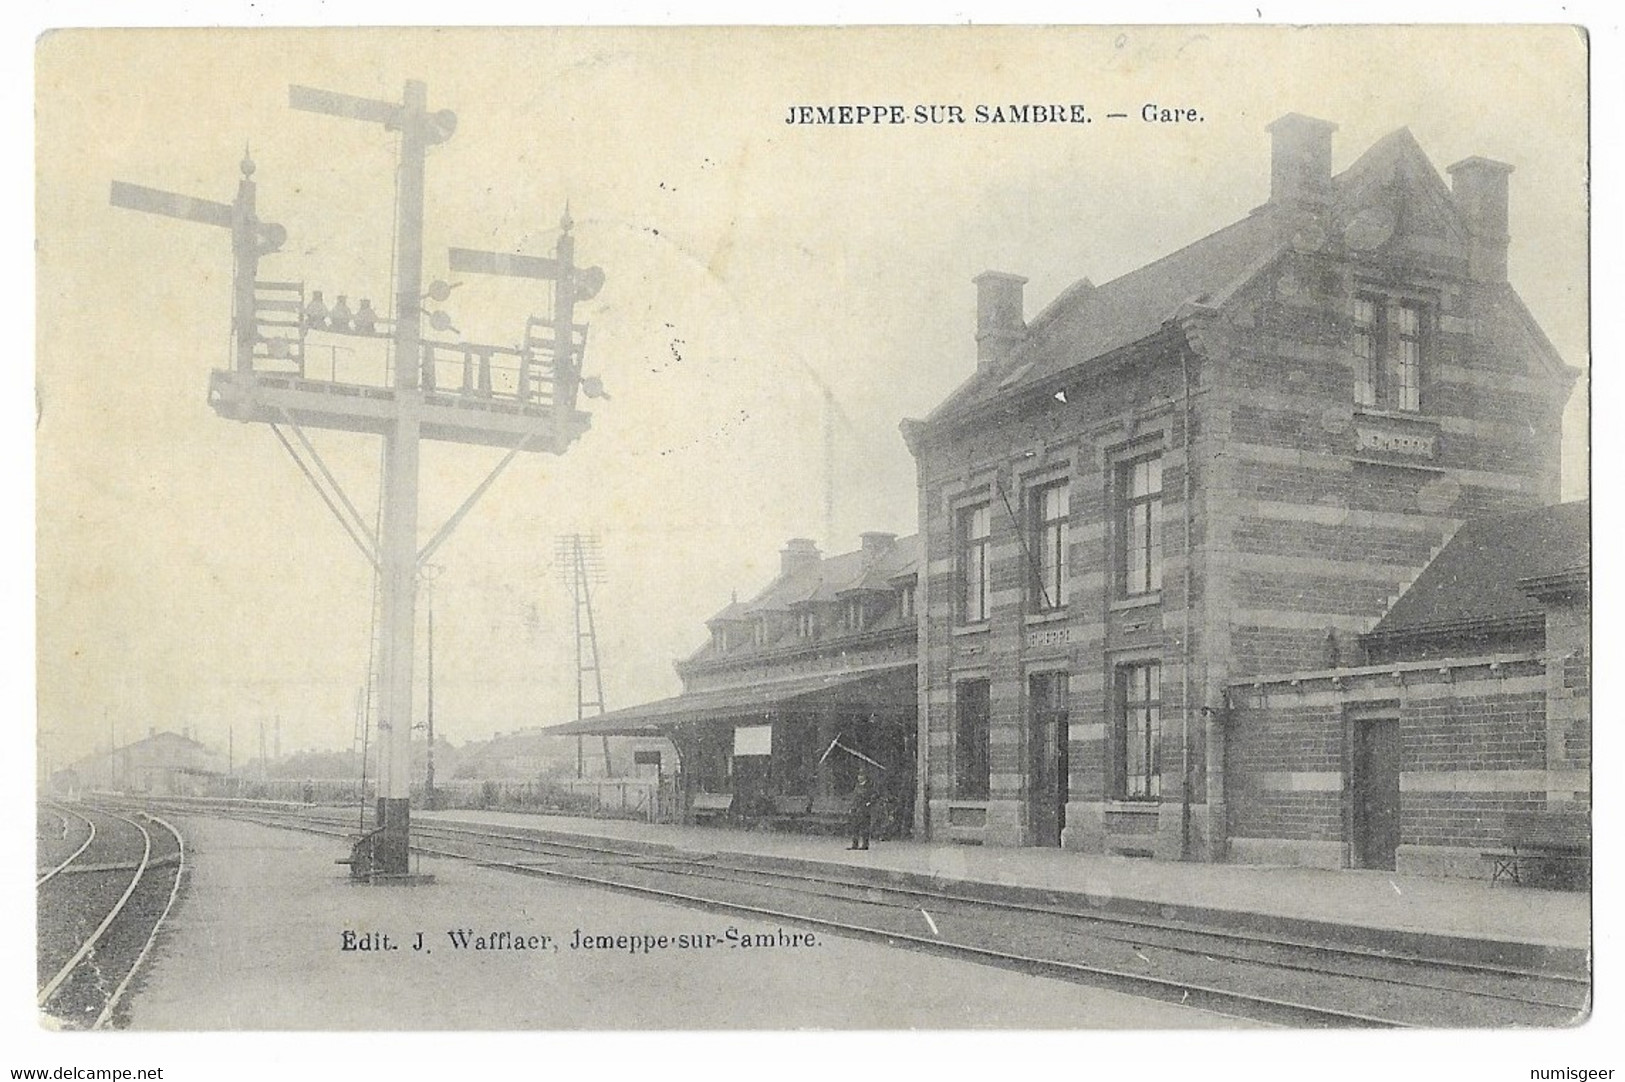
pixel 972 530
pixel 1046 547
pixel 1389 335
pixel 973 716
pixel 1139 488
pixel 1138 742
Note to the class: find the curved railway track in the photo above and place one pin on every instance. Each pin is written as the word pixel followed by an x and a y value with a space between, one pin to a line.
pixel 1266 978
pixel 67 816
pixel 100 911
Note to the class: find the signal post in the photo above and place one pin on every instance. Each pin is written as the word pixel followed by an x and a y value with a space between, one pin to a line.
pixel 521 398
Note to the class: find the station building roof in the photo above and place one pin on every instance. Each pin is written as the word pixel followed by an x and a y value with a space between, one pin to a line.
pixel 1086 322
pixel 741 702
pixel 1491 571
pixel 827 578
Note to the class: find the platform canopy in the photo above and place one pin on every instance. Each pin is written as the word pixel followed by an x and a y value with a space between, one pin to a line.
pixel 655 718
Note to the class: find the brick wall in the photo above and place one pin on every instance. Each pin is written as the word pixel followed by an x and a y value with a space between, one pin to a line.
pixel 1301 542
pixel 1318 535
pixel 1493 731
pixel 1475 745
pixel 1129 413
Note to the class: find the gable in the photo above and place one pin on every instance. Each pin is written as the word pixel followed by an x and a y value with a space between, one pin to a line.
pixel 1392 201
pixel 1511 321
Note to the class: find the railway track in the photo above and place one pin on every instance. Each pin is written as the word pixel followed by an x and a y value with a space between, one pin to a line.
pixel 73 827
pixel 1273 979
pixel 99 912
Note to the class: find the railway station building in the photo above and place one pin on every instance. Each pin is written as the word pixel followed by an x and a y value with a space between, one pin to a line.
pixel 793 689
pixel 1250 553
pixel 159 764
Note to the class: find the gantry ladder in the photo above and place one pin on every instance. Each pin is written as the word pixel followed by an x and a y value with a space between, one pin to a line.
pixel 279 323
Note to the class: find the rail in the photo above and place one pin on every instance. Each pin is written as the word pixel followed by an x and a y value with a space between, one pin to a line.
pixel 1235 971
pixel 117 997
pixel 55 984
pixel 75 855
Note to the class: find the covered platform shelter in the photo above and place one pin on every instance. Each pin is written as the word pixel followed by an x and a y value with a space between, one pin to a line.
pixel 785 751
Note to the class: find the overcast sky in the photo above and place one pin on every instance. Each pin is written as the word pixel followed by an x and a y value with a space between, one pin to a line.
pixel 188 576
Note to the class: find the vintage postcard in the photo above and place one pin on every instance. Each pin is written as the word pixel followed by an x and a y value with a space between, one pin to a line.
pixel 997 528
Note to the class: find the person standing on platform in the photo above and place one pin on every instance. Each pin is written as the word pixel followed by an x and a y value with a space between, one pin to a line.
pixel 863 806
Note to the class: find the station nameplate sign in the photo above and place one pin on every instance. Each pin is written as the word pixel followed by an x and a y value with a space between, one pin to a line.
pixel 1039 638
pixel 1397 441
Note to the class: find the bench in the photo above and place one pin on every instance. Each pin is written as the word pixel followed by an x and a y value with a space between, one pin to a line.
pixel 1543 849
pixel 789 810
pixel 706 806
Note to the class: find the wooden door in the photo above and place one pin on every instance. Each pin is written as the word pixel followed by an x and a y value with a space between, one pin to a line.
pixel 1047 758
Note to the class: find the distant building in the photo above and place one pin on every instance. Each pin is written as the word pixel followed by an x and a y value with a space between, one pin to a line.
pixel 161 764
pixel 795 684
pixel 523 754
pixel 534 752
pixel 1217 473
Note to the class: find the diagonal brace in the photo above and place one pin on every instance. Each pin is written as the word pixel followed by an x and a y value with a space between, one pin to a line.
pixel 368 550
pixel 356 520
pixel 445 532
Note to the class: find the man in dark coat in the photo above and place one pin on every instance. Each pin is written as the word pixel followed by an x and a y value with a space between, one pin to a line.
pixel 863 806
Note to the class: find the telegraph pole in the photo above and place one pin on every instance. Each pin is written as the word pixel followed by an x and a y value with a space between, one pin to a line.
pixel 428 773
pixel 430 573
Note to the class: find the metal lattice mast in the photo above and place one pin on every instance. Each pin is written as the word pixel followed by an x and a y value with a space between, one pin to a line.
pixel 581 563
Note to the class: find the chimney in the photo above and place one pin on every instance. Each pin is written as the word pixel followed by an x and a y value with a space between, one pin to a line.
pixel 1000 325
pixel 1479 188
pixel 799 554
pixel 1300 161
pixel 877 544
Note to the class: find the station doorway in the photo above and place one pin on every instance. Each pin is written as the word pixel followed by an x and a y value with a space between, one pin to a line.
pixel 1047 765
pixel 1374 792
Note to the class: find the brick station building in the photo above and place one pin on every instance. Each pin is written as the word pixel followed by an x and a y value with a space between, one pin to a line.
pixel 1157 506
pixel 1469 705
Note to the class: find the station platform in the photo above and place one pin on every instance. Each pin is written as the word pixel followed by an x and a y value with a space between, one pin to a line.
pixel 270 934
pixel 1465 919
